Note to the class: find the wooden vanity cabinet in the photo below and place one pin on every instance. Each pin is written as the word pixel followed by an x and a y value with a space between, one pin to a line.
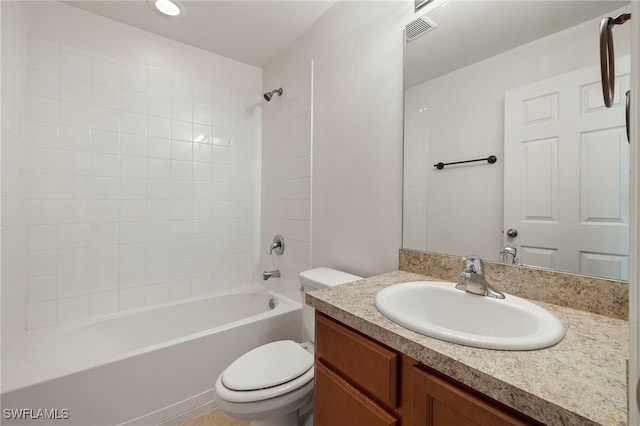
pixel 337 402
pixel 356 378
pixel 360 382
pixel 440 402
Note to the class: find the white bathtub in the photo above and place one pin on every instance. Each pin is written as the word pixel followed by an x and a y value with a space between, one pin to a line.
pixel 142 368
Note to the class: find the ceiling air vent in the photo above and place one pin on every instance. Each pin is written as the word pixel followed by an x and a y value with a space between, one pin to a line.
pixel 418 27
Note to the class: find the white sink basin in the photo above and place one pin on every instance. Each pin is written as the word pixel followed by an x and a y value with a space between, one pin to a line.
pixel 437 309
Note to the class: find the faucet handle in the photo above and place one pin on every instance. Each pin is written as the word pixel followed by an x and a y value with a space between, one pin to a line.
pixel 277 245
pixel 472 264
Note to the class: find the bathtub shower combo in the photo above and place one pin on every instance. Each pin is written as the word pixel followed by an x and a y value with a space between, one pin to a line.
pixel 151 366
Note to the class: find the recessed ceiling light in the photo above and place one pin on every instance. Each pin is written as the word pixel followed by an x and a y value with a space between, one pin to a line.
pixel 168 7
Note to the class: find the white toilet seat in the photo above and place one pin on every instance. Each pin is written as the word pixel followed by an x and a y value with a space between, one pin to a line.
pixel 267 366
pixel 261 394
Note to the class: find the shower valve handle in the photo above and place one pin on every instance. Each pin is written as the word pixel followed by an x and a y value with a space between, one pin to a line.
pixel 277 245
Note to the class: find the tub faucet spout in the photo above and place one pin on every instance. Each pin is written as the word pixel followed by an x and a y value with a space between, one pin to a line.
pixel 271 274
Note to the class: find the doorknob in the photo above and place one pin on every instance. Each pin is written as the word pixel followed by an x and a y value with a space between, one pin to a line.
pixel 512 233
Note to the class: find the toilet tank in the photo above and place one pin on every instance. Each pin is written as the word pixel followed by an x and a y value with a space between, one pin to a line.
pixel 315 279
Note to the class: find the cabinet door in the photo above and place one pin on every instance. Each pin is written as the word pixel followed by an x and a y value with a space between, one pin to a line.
pixel 437 402
pixel 336 403
pixel 372 367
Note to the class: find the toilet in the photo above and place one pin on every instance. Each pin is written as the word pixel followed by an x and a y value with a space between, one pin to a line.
pixel 272 385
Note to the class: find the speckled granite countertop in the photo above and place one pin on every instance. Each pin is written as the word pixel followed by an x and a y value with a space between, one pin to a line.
pixel 580 381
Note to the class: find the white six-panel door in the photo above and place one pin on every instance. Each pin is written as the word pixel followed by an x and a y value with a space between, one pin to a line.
pixel 567 174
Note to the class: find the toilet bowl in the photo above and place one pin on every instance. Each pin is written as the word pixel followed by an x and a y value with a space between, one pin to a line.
pixel 272 385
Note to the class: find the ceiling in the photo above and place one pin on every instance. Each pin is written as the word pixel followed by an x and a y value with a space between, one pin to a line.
pixel 250 31
pixel 476 30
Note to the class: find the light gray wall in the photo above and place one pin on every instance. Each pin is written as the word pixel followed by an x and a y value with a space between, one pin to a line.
pixel 356 214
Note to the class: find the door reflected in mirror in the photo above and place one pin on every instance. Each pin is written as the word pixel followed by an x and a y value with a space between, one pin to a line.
pixel 519 81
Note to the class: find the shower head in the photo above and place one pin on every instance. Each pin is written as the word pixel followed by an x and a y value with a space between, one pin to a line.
pixel 269 95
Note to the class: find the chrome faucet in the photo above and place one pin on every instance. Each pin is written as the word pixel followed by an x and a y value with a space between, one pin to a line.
pixel 271 274
pixel 473 279
pixel 509 255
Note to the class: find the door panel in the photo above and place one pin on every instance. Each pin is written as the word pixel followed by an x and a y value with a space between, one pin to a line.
pixel 567 174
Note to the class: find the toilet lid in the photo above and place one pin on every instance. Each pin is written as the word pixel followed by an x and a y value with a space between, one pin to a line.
pixel 268 365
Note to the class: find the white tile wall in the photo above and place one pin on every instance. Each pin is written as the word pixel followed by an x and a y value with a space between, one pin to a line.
pixel 286 180
pixel 142 185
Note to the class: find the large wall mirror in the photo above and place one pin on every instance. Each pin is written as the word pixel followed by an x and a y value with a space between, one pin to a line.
pixel 518 80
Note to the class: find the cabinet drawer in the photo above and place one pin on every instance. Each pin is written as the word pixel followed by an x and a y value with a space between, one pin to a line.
pixel 336 402
pixel 365 363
